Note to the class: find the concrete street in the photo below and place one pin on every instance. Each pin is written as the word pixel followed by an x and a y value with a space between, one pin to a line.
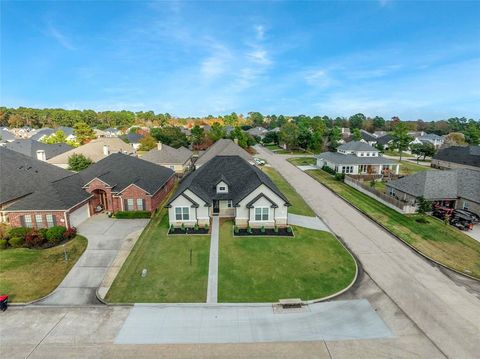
pixel 447 313
pixel 105 238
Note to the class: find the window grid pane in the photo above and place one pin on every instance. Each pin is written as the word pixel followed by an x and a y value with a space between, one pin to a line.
pixel 140 204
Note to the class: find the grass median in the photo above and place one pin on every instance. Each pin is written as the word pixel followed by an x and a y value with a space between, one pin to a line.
pixel 30 274
pixel 311 265
pixel 436 240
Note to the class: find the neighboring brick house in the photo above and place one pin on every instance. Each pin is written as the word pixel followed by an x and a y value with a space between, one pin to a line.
pixel 457 157
pixel 454 189
pixel 36 194
pixel 124 183
pixel 228 186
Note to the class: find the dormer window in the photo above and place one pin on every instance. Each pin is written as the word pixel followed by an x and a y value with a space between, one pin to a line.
pixel 222 187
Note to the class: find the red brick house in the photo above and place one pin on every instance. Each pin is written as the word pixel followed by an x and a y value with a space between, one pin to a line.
pixel 36 194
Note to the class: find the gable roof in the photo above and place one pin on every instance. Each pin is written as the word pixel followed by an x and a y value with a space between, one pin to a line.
pixel 30 147
pixel 469 155
pixel 21 175
pixel 46 131
pixel 242 177
pixel 132 137
pixel 343 159
pixel 223 147
pixel 168 155
pixel 356 146
pixel 384 139
pixel 120 171
pixel 366 136
pixel 257 131
pixel 441 184
pixel 94 150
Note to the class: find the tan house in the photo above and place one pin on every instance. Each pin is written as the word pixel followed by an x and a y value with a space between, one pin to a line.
pixel 177 159
pixel 95 150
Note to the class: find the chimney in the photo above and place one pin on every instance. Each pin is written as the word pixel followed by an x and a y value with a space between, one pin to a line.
pixel 235 140
pixel 159 146
pixel 106 151
pixel 41 155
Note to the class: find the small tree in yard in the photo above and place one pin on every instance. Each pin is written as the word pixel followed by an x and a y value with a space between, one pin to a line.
pixel 401 138
pixel 78 162
pixel 424 206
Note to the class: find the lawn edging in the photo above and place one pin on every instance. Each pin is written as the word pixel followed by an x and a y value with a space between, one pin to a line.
pixel 393 234
pixel 23 304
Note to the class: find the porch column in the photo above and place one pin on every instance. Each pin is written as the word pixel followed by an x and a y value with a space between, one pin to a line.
pixel 379 169
pixel 397 169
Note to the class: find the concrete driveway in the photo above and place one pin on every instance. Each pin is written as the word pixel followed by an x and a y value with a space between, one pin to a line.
pixel 105 238
pixel 307 222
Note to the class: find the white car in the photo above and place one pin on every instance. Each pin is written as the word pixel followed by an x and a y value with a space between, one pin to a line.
pixel 259 162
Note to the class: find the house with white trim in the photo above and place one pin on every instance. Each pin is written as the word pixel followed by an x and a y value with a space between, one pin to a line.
pixel 229 187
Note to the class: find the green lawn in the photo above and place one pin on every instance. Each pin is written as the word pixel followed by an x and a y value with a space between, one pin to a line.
pixel 311 265
pixel 293 152
pixel 29 274
pixel 170 275
pixel 441 242
pixel 303 161
pixel 298 204
pixel 272 146
pixel 409 168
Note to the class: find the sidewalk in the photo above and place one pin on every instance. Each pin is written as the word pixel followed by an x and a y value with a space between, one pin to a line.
pixel 212 289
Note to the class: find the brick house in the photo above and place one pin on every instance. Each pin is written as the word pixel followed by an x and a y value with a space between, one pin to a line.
pixel 36 194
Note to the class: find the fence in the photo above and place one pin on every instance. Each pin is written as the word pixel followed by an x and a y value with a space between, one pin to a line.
pixel 393 203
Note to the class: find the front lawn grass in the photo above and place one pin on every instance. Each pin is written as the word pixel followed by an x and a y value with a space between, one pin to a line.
pixel 298 204
pixel 438 241
pixel 272 146
pixel 397 154
pixel 171 278
pixel 303 161
pixel 311 265
pixel 30 274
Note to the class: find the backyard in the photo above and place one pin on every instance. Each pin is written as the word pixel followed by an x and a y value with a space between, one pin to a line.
pixel 311 265
pixel 409 168
pixel 438 241
pixel 171 276
pixel 298 204
pixel 30 274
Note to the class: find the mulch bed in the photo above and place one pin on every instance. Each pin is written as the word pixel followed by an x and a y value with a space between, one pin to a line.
pixel 188 231
pixel 270 232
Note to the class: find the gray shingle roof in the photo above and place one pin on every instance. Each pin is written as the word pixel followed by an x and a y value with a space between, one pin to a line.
pixel 132 137
pixel 120 171
pixel 342 159
pixel 257 131
pixel 223 147
pixel 241 176
pixel 469 155
pixel 384 139
pixel 30 147
pixel 42 186
pixel 46 131
pixel 441 184
pixel 356 146
pixel 6 135
pixel 168 155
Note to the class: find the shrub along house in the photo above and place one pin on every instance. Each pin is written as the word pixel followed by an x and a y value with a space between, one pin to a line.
pixel 357 158
pixel 37 194
pixel 228 186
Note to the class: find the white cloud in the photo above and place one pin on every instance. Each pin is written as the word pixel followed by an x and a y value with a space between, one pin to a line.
pixel 318 78
pixel 259 56
pixel 260 32
pixel 61 38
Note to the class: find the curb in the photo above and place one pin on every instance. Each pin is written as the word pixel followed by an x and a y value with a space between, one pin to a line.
pixel 397 237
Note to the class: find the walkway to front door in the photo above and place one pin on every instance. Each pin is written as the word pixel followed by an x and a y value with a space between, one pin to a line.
pixel 212 289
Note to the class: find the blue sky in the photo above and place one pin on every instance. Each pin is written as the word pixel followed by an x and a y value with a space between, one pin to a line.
pixel 411 59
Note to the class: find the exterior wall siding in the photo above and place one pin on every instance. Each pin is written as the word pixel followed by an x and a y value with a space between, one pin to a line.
pixel 14 218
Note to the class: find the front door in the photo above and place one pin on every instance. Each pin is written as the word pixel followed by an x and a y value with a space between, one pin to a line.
pixel 216 207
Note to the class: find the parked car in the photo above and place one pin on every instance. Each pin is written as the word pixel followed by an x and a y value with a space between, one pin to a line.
pixel 259 162
pixel 461 221
pixel 474 217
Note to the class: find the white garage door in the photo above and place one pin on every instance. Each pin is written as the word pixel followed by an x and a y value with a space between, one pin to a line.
pixel 79 215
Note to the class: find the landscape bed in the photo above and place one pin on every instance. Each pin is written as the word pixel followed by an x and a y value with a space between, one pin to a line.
pixel 283 232
pixel 30 274
pixel 443 243
pixel 312 265
pixel 189 231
